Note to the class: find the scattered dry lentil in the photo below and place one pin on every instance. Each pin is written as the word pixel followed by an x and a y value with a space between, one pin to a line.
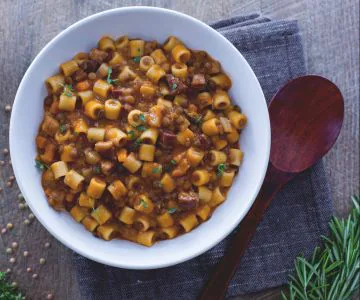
pixel 9 226
pixel 27 222
pixel 14 284
pixel 8 108
pixel 8 270
pixel 28 269
pixel 3 231
pixel 21 206
pixel 35 276
pixel 5 151
pixel 12 260
pixel 47 245
pixel 31 216
pixel 10 163
pixel 1 189
pixel 26 205
pixel 26 253
pixel 12 178
pixel 9 184
pixel 9 251
pixel 20 196
pixel 42 261
pixel 49 296
pixel 2 163
pixel 14 245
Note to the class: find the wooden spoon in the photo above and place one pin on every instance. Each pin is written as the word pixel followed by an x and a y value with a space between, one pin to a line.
pixel 306 116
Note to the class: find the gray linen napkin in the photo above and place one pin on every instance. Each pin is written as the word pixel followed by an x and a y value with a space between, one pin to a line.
pixel 293 223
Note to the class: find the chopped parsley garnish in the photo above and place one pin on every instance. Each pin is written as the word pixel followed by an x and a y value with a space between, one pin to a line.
pixel 40 165
pixel 136 144
pixel 137 59
pixel 108 79
pixel 197 119
pixel 173 162
pixel 62 128
pixel 97 170
pixel 220 169
pixel 143 203
pixel 142 117
pixel 156 170
pixel 68 90
pixel 171 210
pixel 141 128
pixel 132 134
pixel 174 86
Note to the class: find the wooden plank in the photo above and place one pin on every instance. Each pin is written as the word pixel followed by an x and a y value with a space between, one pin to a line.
pixel 330 32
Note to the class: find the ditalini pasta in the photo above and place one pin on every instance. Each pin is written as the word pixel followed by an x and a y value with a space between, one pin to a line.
pixel 140 140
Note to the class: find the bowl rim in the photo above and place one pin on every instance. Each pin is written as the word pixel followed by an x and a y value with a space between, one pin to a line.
pixel 103 259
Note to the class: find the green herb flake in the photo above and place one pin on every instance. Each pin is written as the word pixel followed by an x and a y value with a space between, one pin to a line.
pixel 68 90
pixel 136 144
pixel 174 86
pixel 97 170
pixel 143 203
pixel 62 128
pixel 137 59
pixel 141 128
pixel 131 133
pixel 40 165
pixel 156 170
pixel 197 120
pixel 173 162
pixel 220 169
pixel 108 79
pixel 171 210
pixel 142 117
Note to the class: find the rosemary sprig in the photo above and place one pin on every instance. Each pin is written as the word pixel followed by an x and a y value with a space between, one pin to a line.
pixel 333 271
pixel 8 292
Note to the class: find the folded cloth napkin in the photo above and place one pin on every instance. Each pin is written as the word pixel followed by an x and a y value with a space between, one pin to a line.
pixel 293 223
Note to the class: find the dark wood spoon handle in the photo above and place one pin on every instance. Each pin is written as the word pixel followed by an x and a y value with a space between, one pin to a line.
pixel 217 285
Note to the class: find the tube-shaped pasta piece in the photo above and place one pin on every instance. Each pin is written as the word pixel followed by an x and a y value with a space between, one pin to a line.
pixel 67 103
pixel 204 194
pixel 226 124
pixel 217 198
pixel 131 163
pixel 203 212
pixel 211 127
pixel 121 155
pixel 59 169
pixel 83 86
pixel 96 188
pixel 86 96
pixel 146 238
pixel 239 120
pixel 128 233
pixel 219 143
pixel 194 156
pixel 118 137
pixel 108 231
pixel 155 116
pixel 69 67
pixel 222 81
pixel 209 114
pixel 164 89
pixel 221 100
pixel 145 63
pixel 155 72
pixel 181 54
pixel 188 222
pixel 127 215
pixel 142 222
pixel 233 136
pixel 158 56
pixel 93 108
pixel 216 157
pixel 165 220
pixel 102 71
pixel 179 70
pixel 170 43
pixel 147 152
pixel 164 103
pixel 112 109
pixel 185 137
pixel 149 136
pixel 95 134
pixel 61 138
pixel 227 178
pixel 116 59
pixel 73 179
pixel 126 74
pixel 101 214
pixel 235 157
pixel 55 83
pixel 133 182
pixel 122 42
pixel 106 43
pixel 86 201
pixel 168 233
pixel 200 177
pixel 68 153
pixel 90 223
pixel 49 154
pixel 102 88
pixel 78 213
pixel 205 99
pixel 143 204
pixel 117 189
pixel 136 48
pixel 182 167
pixel 147 90
pixel 151 169
pixel 136 117
pixel 92 157
pixel 167 183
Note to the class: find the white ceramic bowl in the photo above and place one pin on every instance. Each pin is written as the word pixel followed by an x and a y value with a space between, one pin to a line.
pixel 151 24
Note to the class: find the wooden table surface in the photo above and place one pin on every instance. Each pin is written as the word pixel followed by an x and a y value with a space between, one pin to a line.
pixel 330 30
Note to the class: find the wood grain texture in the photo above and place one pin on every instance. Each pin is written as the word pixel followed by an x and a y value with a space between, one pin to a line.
pixel 330 32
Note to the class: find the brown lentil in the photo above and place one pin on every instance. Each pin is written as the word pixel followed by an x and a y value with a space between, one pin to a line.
pixel 8 108
pixel 5 151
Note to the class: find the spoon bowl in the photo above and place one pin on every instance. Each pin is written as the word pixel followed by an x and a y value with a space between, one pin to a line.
pixel 306 116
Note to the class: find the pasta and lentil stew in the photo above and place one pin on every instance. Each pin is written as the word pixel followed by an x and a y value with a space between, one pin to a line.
pixel 139 141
